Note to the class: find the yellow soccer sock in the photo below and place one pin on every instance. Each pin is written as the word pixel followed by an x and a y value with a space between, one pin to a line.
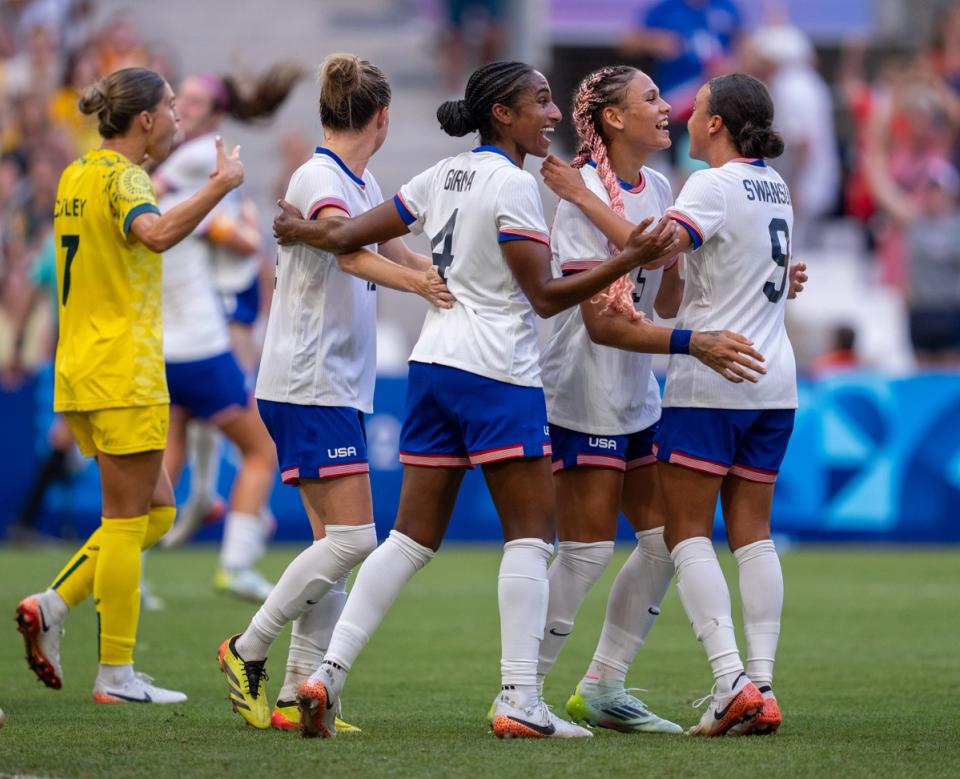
pixel 161 520
pixel 116 587
pixel 75 582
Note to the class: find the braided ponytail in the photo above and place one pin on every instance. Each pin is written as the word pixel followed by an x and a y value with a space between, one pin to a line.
pixel 600 89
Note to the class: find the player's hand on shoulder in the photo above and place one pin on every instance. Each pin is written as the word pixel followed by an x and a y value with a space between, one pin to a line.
pixel 654 247
pixel 433 289
pixel 798 277
pixel 229 170
pixel 729 354
pixel 563 179
pixel 285 223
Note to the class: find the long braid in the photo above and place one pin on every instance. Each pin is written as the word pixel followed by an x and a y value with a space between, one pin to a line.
pixel 602 88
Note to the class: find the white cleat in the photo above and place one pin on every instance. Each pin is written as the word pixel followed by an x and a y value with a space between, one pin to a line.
pixel 194 515
pixel 606 704
pixel 138 688
pixel 318 703
pixel 536 721
pixel 742 704
pixel 248 584
pixel 41 631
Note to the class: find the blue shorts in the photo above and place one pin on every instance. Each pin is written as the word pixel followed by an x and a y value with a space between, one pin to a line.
pixel 243 307
pixel 748 444
pixel 212 389
pixel 316 442
pixel 572 449
pixel 457 419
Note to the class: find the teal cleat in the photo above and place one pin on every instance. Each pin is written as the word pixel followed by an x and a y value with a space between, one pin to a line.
pixel 610 705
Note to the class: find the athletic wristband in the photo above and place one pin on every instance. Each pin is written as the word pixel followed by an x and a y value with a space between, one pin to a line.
pixel 672 264
pixel 680 341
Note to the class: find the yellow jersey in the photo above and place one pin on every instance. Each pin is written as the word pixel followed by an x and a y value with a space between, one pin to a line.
pixel 110 352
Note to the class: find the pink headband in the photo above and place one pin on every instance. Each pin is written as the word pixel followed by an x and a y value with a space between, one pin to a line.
pixel 216 87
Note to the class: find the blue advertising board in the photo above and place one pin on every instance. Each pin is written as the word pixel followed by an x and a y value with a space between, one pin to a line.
pixel 871 459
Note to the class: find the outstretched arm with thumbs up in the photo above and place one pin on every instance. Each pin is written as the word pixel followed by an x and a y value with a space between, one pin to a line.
pixel 160 232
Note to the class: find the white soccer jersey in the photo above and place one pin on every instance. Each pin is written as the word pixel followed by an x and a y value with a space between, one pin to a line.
pixel 742 220
pixel 468 205
pixel 194 324
pixel 592 388
pixel 320 347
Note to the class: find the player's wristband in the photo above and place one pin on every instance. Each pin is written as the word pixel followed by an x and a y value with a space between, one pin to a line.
pixel 672 264
pixel 680 341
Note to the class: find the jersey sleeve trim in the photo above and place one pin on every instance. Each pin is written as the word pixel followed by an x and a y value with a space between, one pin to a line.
pixel 133 213
pixel 574 266
pixel 687 221
pixel 521 234
pixel 327 202
pixel 405 214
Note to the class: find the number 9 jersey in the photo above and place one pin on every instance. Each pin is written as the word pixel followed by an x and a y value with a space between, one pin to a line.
pixel 110 350
pixel 740 219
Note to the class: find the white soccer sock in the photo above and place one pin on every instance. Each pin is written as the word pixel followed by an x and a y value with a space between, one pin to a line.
pixel 379 581
pixel 761 595
pixel 310 637
pixel 633 606
pixel 523 592
pixel 203 440
pixel 570 576
pixel 305 581
pixel 243 542
pixel 706 599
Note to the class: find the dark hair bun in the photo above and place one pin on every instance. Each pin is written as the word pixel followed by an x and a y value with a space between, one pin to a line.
pixel 763 142
pixel 455 118
pixel 93 100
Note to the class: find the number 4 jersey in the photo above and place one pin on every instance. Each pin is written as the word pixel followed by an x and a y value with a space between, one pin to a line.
pixel 467 206
pixel 110 350
pixel 740 219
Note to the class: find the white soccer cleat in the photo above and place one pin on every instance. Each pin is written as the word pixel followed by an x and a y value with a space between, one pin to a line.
pixel 248 584
pixel 138 688
pixel 318 703
pixel 741 705
pixel 609 705
pixel 536 721
pixel 41 637
pixel 194 515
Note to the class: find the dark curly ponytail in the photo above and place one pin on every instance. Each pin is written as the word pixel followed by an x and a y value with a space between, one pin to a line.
pixel 746 108
pixel 497 82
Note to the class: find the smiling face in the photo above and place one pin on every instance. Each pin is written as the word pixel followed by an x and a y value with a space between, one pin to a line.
pixel 162 126
pixel 701 124
pixel 530 122
pixel 195 108
pixel 640 118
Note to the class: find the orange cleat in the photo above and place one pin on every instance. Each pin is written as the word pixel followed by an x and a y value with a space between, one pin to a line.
pixel 765 723
pixel 741 705
pixel 41 640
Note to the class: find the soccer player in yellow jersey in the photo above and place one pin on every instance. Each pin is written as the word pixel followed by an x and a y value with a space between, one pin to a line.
pixel 110 380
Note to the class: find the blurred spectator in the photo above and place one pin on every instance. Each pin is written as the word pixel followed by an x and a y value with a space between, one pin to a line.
pixel 119 46
pixel 35 70
pixel 842 355
pixel 79 73
pixel 783 57
pixel 933 282
pixel 909 127
pixel 690 41
pixel 26 316
pixel 944 61
pixel 477 22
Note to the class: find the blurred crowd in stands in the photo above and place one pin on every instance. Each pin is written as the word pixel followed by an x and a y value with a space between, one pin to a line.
pixel 872 141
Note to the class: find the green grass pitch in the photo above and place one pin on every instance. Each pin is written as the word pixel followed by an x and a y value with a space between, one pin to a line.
pixel 868 680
